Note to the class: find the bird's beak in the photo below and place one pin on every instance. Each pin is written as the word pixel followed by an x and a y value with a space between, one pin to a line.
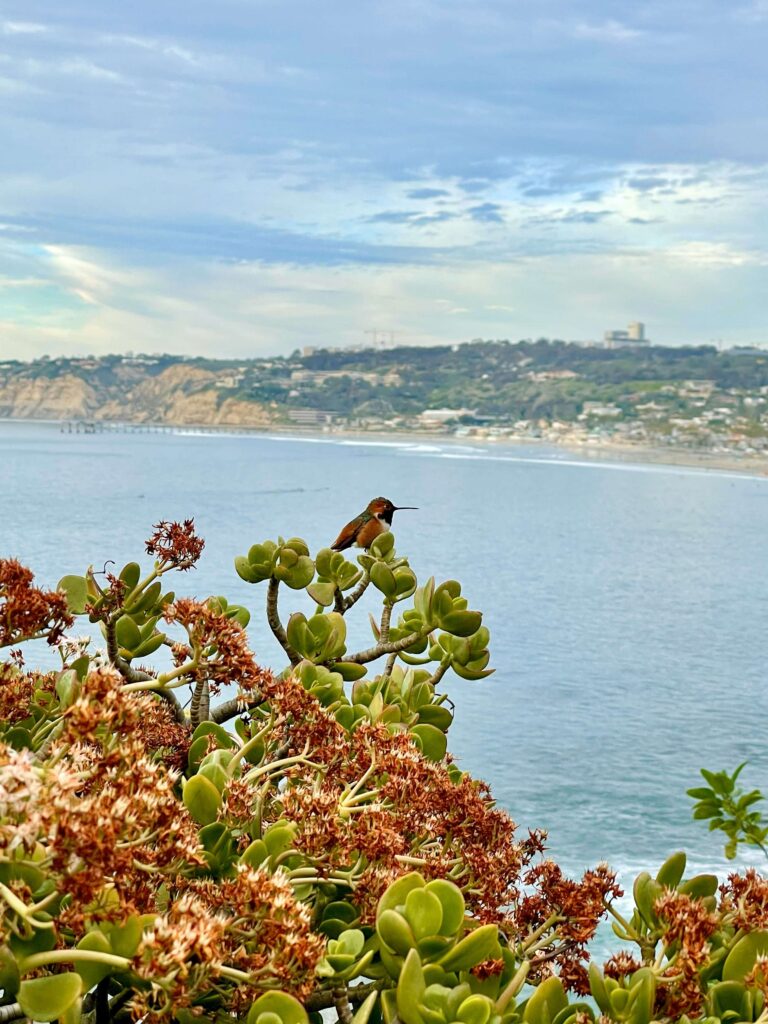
pixel 399 508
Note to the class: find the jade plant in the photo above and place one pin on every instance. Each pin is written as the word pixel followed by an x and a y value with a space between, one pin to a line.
pixel 209 839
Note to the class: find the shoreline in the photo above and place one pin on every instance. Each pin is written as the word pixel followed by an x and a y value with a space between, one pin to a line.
pixel 651 455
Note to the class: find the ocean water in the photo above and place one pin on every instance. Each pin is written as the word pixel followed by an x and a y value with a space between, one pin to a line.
pixel 627 603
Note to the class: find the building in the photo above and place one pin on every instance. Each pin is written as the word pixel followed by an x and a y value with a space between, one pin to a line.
pixel 633 337
pixel 431 417
pixel 310 417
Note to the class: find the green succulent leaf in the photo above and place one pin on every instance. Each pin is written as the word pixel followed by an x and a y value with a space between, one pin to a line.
pixel 92 972
pixel 75 590
pixel 46 999
pixel 285 1007
pixel 475 947
pixel 410 990
pixel 202 799
pixel 431 740
pixel 547 1001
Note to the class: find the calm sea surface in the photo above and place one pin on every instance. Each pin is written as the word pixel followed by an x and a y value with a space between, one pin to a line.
pixel 627 604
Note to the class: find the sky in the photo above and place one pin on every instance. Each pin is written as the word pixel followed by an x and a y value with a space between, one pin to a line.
pixel 246 177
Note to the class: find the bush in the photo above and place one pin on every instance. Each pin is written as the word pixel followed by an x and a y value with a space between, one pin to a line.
pixel 306 843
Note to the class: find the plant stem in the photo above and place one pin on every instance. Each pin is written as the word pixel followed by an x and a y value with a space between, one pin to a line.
pixel 372 653
pixel 356 594
pixel 386 616
pixel 273 618
pixel 358 994
pixel 72 956
pixel 342 1006
pixel 439 672
pixel 514 986
pixel 200 708
pixel 232 708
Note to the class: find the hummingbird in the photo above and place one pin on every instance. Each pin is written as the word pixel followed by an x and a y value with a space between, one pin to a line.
pixel 365 528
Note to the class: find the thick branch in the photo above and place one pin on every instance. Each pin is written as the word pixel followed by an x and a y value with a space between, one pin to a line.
pixel 232 708
pixel 356 594
pixel 386 617
pixel 342 1005
pixel 362 657
pixel 439 672
pixel 273 618
pixel 324 1000
pixel 200 709
pixel 113 652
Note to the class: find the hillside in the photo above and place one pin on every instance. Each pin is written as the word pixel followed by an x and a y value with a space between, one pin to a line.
pixel 695 397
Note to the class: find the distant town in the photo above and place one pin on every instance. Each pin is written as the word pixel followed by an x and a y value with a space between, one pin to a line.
pixel 623 391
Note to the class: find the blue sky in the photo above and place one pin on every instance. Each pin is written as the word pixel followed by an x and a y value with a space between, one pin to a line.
pixel 249 176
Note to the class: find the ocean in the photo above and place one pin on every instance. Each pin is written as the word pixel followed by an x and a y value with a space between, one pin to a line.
pixel 627 603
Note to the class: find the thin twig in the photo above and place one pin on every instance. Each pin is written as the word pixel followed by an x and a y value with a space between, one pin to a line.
pixel 389 666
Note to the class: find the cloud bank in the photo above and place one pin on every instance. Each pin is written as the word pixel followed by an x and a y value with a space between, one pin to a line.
pixel 246 178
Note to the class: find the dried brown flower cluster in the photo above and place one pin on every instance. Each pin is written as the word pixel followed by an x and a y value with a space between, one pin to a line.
pixel 105 810
pixel 162 735
pixel 20 690
pixel 746 898
pixel 27 611
pixel 416 810
pixel 688 923
pixel 251 923
pixel 576 908
pixel 372 802
pixel 175 545
pixel 218 645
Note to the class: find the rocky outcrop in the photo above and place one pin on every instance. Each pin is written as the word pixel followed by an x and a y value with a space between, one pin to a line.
pixel 179 395
pixel 58 398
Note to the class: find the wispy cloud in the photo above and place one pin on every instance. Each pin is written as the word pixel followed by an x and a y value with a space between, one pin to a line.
pixel 21 28
pixel 609 31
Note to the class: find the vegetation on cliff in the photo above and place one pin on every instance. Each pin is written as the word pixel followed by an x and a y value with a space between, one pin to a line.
pixel 486 382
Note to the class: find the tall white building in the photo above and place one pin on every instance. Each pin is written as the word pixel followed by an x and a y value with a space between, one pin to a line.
pixel 632 337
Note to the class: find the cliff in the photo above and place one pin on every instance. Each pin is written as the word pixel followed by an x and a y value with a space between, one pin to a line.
pixel 178 394
pixel 66 397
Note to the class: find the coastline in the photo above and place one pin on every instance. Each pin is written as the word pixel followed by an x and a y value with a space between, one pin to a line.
pixel 605 451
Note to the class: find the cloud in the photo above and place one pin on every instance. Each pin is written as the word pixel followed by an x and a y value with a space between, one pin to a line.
pixel 573 217
pixel 427 193
pixel 21 28
pixel 412 219
pixel 487 213
pixel 647 184
pixel 753 12
pixel 686 294
pixel 606 31
pixel 224 150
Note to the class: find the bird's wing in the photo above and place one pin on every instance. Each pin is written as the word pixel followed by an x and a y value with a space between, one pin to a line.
pixel 347 536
